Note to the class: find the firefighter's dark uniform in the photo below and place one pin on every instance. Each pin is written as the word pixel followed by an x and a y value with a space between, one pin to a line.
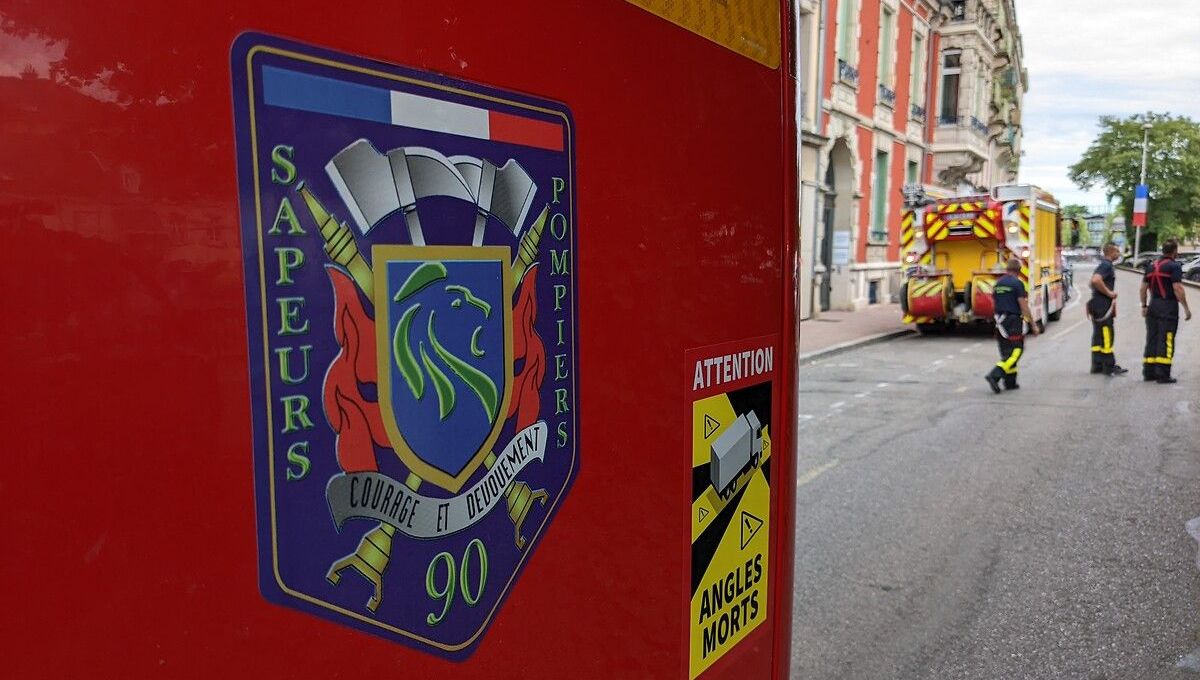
pixel 1162 318
pixel 1102 311
pixel 1010 329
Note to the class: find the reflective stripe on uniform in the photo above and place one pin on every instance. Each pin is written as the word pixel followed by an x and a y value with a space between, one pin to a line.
pixel 1009 365
pixel 1107 347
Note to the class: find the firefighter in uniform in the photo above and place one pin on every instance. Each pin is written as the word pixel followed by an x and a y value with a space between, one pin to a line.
pixel 1164 283
pixel 1102 310
pixel 1012 314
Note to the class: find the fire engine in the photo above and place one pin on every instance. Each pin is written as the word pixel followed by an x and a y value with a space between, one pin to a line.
pixel 954 249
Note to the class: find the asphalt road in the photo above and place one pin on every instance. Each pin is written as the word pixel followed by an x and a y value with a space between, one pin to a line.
pixel 946 532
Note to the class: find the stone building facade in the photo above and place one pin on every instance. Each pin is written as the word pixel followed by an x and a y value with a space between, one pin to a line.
pixel 896 92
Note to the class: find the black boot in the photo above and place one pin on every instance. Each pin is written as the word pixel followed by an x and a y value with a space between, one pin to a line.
pixel 1164 376
pixel 993 379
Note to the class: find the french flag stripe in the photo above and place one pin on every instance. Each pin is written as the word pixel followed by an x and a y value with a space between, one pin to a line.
pixel 435 115
pixel 318 94
pixel 304 92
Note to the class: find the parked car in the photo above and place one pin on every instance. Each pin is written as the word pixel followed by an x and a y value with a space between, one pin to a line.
pixel 1191 269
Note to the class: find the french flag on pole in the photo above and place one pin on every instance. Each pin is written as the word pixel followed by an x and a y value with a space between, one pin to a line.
pixel 1141 199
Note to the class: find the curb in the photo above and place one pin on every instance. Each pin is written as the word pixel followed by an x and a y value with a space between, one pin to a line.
pixel 854 344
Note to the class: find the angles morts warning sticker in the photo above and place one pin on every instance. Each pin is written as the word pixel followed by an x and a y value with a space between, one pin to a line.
pixel 732 394
pixel 410 262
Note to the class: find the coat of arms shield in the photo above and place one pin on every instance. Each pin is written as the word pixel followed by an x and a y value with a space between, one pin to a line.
pixel 444 343
pixel 411 258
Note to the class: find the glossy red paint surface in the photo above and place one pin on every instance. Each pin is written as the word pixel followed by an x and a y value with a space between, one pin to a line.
pixel 127 481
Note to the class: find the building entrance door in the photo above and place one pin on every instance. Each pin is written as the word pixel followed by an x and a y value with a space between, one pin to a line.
pixel 827 239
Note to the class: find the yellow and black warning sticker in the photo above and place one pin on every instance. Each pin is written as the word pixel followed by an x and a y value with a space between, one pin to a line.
pixel 731 497
pixel 748 27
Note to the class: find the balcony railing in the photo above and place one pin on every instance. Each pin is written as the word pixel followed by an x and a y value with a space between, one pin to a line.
pixel 979 126
pixel 917 113
pixel 847 73
pixel 887 96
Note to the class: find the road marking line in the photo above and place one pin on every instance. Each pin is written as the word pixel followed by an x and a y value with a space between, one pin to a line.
pixel 962 389
pixel 881 385
pixel 860 395
pixel 1074 298
pixel 964 350
pixel 906 377
pixel 1066 330
pixel 816 472
pixel 805 416
pixel 837 404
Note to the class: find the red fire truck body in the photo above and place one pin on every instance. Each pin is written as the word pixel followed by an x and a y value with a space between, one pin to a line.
pixel 177 439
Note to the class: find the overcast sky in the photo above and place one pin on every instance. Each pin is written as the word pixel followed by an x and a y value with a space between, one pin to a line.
pixel 1088 58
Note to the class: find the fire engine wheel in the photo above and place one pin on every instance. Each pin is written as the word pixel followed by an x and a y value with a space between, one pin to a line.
pixel 904 297
pixel 932 328
pixel 967 296
pixel 1043 313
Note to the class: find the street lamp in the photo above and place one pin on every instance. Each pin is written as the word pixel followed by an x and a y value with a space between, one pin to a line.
pixel 1137 239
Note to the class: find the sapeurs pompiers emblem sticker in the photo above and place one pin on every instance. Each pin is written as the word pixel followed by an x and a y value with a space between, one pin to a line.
pixel 409 248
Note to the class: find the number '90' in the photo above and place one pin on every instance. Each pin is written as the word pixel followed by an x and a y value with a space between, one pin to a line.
pixel 454 582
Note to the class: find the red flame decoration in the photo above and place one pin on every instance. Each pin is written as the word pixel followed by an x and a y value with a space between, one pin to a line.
pixel 526 401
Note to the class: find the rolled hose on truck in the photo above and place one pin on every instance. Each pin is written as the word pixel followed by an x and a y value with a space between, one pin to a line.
pixel 928 301
pixel 931 308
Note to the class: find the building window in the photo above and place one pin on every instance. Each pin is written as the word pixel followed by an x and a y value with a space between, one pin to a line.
pixel 887 48
pixel 847 31
pixel 958 10
pixel 912 173
pixel 951 68
pixel 917 81
pixel 879 198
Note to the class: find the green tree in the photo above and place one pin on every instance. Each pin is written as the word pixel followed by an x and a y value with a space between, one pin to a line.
pixel 1114 162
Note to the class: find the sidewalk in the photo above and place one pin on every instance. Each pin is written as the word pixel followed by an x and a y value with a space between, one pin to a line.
pixel 835 332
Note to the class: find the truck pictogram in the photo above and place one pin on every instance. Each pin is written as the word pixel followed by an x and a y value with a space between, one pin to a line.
pixel 737 450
